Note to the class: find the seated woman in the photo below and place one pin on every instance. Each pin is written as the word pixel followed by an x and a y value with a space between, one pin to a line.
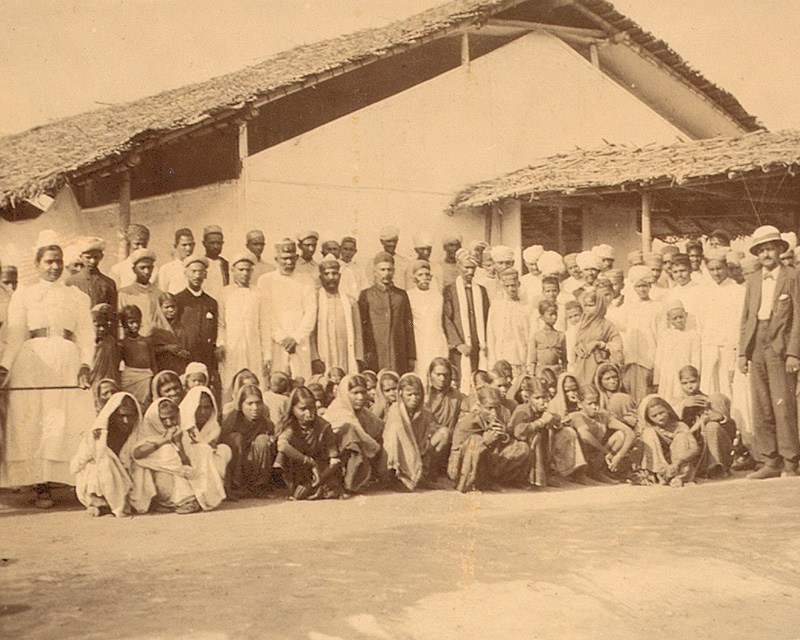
pixel 485 452
pixel 606 441
pixel 566 453
pixel 167 384
pixel 251 437
pixel 307 453
pixel 413 441
pixel 520 389
pixel 385 392
pixel 240 379
pixel 670 452
pixel 359 433
pixel 103 391
pixel 445 403
pixel 102 482
pixel 170 468
pixel 613 398
pixel 533 423
pixel 715 431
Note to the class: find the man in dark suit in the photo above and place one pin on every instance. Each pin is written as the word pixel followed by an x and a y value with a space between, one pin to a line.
pixel 387 328
pixel 199 316
pixel 465 315
pixel 769 350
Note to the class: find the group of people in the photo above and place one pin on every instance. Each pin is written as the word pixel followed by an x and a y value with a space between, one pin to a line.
pixel 176 386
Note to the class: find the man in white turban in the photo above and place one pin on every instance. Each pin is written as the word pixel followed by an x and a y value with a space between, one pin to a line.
pixel 531 283
pixel 607 254
pixel 590 265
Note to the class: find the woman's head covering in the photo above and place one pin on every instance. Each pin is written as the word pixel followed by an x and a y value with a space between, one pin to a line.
pixel 151 425
pixel 237 383
pixel 382 403
pixel 516 387
pixel 559 405
pixel 596 315
pixel 159 378
pixel 242 391
pixel 605 395
pixel 114 402
pixel 189 406
pixel 96 391
pixel 650 400
pixel 342 416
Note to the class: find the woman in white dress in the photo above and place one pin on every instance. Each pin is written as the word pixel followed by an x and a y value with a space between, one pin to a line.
pixel 426 310
pixel 50 343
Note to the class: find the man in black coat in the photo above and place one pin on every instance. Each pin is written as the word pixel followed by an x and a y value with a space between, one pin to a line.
pixel 386 323
pixel 198 314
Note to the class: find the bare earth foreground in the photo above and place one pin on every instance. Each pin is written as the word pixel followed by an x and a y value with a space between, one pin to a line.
pixel 719 560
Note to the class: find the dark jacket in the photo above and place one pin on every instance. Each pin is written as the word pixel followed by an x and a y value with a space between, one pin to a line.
pixel 783 330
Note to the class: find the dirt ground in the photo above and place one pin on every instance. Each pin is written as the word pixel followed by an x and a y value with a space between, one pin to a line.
pixel 717 560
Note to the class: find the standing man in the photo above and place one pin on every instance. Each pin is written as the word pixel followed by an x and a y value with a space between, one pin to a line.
pixel 306 265
pixel 531 282
pixel 451 243
pixel 218 270
pixel 337 338
pixel 138 237
pixel 769 350
pixel 386 321
pixel 99 287
pixel 466 313
pixel 720 312
pixel 694 249
pixel 389 237
pixel 290 298
pixel 198 314
pixel 255 242
pixel 245 317
pixel 423 247
pixel 607 254
pixel 508 331
pixel 172 276
pixel 142 292
pixel 359 280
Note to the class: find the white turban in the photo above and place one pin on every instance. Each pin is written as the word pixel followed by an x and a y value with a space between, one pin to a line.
pixel 422 240
pixel 532 254
pixel 502 253
pixel 589 260
pixel 550 262
pixel 638 273
pixel 604 251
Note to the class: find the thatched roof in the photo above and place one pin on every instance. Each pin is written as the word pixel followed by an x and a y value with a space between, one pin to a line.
pixel 621 167
pixel 41 158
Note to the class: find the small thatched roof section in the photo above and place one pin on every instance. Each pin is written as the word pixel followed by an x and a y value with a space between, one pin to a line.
pixel 41 158
pixel 621 167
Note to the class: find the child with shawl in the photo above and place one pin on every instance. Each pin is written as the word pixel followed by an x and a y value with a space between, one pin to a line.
pixel 170 467
pixel 411 437
pixel 385 392
pixel 485 453
pixel 532 423
pixel 608 382
pixel 566 453
pixel 358 432
pixel 103 391
pixel 102 483
pixel 195 375
pixel 168 337
pixel 670 451
pixel 251 438
pixel 596 339
pixel 307 453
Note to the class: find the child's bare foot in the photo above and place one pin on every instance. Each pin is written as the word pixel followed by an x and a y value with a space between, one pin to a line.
pixel 676 482
pixel 93 512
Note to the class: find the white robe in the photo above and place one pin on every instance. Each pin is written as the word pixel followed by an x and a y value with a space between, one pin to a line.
pixel 354 279
pixel 122 274
pixel 292 305
pixel 426 312
pixel 719 319
pixel 639 332
pixel 43 427
pixel 172 277
pixel 508 332
pixel 246 336
pixel 214 283
pixel 675 350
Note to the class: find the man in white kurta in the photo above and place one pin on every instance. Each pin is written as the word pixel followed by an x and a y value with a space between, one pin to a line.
pixel 246 336
pixel 720 315
pixel 508 329
pixel 530 284
pixel 426 311
pixel 686 290
pixel 172 276
pixel 218 268
pixel 356 280
pixel 138 237
pixel 255 242
pixel 337 336
pixel 293 312
pixel 142 292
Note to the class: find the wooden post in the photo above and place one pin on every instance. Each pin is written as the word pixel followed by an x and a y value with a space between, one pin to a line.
pixel 124 212
pixel 594 56
pixel 241 199
pixel 488 221
pixel 647 236
pixel 465 49
pixel 562 245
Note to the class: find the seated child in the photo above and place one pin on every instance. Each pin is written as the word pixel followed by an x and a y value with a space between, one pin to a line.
pixel 676 347
pixel 613 398
pixel 532 423
pixel 606 440
pixel 196 375
pixel 137 356
pixel 385 392
pixel 167 384
pixel 276 398
pixel 548 347
pixel 670 451
pixel 307 453
pixel 372 382
pixel 320 397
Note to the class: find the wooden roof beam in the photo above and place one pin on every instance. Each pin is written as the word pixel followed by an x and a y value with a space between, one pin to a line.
pixel 513 28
